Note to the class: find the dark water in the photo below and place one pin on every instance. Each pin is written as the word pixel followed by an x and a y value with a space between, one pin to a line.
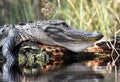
pixel 57 71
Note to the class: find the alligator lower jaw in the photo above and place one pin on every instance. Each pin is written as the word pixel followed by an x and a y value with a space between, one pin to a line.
pixel 77 47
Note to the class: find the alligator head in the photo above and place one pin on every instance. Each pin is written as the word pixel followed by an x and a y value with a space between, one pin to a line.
pixel 81 39
pixel 4 31
pixel 74 40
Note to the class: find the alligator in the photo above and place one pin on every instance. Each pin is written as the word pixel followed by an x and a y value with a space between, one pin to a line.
pixel 49 32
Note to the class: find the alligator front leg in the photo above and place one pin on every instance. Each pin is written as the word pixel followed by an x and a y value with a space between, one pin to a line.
pixel 7 51
pixel 14 38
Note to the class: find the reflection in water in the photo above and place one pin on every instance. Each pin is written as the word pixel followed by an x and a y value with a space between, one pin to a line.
pixel 34 65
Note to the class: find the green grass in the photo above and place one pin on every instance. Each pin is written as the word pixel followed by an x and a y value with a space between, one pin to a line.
pixel 16 11
pixel 90 15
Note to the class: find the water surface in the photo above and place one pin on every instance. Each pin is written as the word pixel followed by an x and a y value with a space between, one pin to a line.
pixel 57 71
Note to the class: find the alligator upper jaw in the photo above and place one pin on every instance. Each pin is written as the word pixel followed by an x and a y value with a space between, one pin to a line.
pixel 84 36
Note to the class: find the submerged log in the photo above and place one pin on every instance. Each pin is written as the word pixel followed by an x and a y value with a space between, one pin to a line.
pixel 106 47
pixel 107 51
pixel 99 54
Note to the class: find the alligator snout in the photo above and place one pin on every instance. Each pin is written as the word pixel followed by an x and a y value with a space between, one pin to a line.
pixel 94 36
pixel 84 35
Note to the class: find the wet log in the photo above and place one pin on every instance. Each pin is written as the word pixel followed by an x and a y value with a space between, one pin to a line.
pixel 108 53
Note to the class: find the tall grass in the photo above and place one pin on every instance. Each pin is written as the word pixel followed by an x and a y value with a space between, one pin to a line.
pixel 90 15
pixel 16 11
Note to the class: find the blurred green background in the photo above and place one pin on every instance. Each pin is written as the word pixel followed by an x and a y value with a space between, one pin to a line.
pixel 90 15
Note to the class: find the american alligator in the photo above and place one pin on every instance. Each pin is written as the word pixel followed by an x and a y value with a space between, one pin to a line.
pixel 50 32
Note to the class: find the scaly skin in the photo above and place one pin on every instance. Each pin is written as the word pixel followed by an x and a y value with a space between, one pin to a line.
pixel 51 32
